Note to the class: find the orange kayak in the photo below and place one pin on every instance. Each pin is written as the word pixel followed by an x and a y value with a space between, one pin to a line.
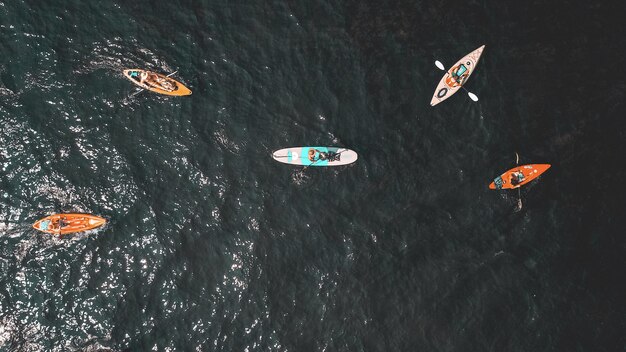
pixel 60 224
pixel 518 176
pixel 156 82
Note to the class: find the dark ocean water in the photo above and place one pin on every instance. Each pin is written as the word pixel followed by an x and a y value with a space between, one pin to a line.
pixel 213 246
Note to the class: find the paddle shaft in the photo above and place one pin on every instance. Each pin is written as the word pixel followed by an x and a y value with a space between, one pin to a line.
pixel 519 191
pixel 462 86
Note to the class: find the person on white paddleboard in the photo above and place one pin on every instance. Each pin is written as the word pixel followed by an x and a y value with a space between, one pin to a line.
pixel 322 156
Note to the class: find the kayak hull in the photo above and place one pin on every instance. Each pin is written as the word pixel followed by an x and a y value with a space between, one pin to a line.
pixel 448 86
pixel 530 173
pixel 299 156
pixel 179 90
pixel 72 223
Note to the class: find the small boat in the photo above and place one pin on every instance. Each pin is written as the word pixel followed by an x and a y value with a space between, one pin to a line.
pixel 61 224
pixel 156 82
pixel 456 76
pixel 518 176
pixel 315 156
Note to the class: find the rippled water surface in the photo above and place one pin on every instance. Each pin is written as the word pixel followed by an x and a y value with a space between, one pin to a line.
pixel 210 245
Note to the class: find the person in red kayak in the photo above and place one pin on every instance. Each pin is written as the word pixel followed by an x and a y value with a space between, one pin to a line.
pixel 517 178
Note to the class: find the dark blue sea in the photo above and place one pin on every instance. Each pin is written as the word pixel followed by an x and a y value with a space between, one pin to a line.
pixel 211 245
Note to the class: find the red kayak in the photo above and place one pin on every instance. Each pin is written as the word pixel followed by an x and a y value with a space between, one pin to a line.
pixel 518 176
pixel 61 224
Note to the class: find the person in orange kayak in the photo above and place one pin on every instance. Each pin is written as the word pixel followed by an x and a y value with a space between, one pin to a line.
pixel 54 225
pixel 517 178
pixel 166 84
pixel 143 77
pixel 155 81
pixel 58 224
pixel 149 78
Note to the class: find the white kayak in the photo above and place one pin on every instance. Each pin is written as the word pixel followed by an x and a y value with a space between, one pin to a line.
pixel 315 156
pixel 456 76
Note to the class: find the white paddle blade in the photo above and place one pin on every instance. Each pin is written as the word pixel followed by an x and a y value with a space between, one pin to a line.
pixel 472 96
pixel 439 65
pixel 137 92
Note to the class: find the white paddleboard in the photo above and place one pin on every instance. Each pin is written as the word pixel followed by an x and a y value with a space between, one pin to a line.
pixel 456 76
pixel 315 156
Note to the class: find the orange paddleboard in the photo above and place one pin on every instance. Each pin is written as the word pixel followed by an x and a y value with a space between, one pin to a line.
pixel 60 224
pixel 156 82
pixel 528 173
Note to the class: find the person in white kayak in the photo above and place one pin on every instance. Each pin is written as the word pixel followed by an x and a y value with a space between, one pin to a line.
pixel 459 74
